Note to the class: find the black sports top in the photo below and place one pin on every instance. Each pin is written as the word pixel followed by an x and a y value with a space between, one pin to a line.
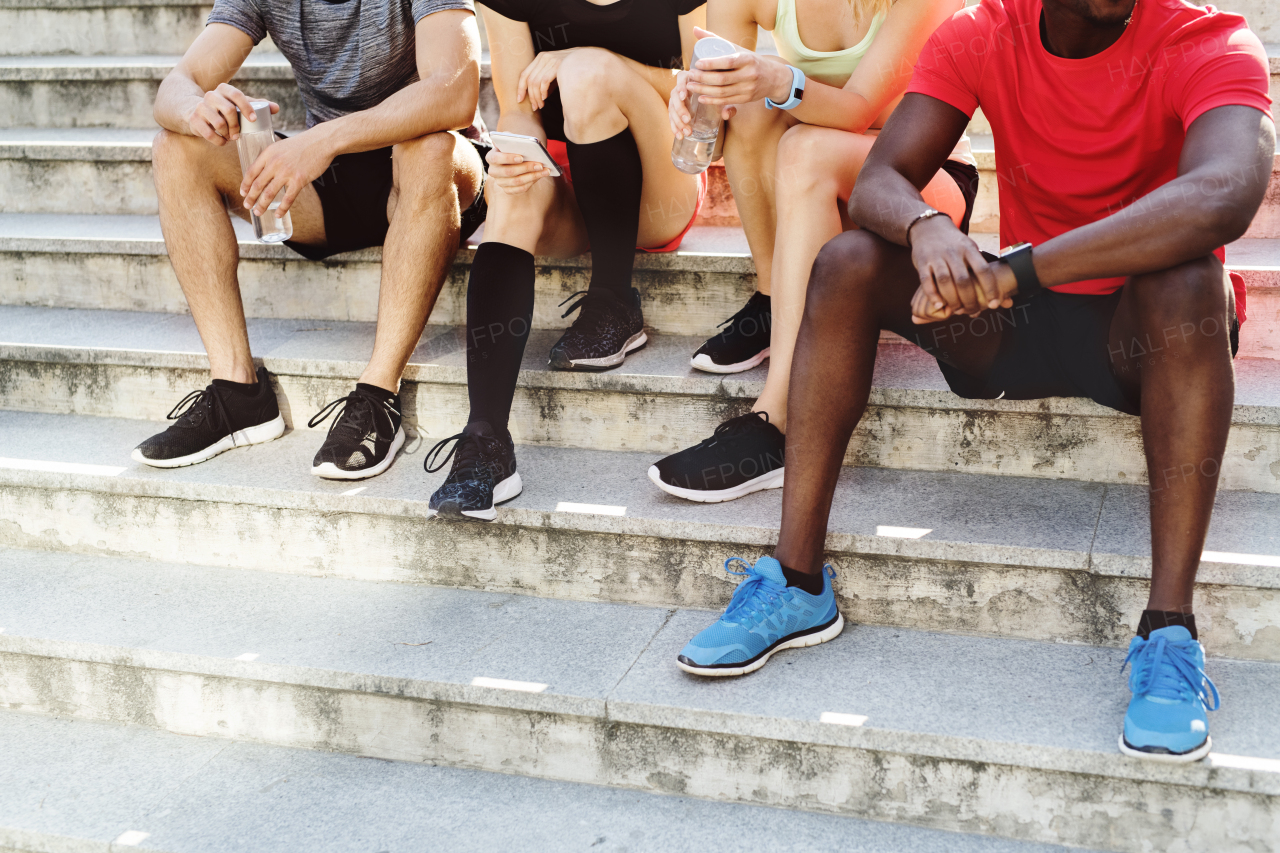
pixel 644 30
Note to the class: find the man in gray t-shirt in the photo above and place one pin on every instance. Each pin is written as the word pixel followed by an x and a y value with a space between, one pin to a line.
pixel 391 156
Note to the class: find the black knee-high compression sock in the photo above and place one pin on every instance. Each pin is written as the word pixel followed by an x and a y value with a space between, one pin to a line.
pixel 499 312
pixel 607 179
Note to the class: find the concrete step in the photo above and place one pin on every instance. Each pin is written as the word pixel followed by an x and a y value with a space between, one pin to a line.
pixel 118 91
pixel 88 27
pixel 88 170
pixel 210 795
pixel 1053 560
pixel 135 365
pixel 119 263
pixel 889 724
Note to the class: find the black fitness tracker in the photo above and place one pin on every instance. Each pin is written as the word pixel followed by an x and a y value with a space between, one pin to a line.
pixel 1018 257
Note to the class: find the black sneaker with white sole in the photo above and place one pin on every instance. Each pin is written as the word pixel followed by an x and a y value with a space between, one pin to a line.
pixel 607 328
pixel 365 435
pixel 483 474
pixel 212 421
pixel 745 454
pixel 743 344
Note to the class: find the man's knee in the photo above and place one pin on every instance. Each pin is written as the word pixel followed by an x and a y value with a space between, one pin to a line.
pixel 586 80
pixel 424 166
pixel 1193 294
pixel 846 270
pixel 175 155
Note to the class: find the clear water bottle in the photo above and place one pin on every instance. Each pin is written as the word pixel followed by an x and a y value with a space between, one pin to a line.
pixel 692 154
pixel 255 136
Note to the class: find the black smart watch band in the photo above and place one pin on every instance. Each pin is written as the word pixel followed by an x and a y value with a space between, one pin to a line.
pixel 1019 260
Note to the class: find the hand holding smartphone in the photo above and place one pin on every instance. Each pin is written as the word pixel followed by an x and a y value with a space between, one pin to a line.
pixel 528 147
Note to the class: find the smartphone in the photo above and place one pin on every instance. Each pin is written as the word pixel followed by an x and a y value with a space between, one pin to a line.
pixel 528 147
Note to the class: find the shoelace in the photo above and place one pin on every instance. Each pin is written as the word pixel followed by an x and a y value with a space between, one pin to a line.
pixel 592 307
pixel 735 427
pixel 752 597
pixel 468 450
pixel 1168 670
pixel 743 312
pixel 198 405
pixel 361 407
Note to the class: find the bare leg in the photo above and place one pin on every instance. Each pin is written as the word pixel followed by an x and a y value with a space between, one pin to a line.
pixel 750 160
pixel 1170 338
pixel 860 285
pixel 817 169
pixel 435 178
pixel 193 180
pixel 602 96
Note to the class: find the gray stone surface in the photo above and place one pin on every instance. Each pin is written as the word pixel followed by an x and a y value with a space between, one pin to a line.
pixel 92 781
pixel 867 498
pixel 972 688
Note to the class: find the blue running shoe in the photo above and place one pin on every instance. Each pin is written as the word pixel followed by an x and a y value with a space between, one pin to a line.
pixel 764 616
pixel 1166 717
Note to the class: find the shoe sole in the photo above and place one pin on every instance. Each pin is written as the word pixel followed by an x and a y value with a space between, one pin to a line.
pixel 703 362
pixel 260 434
pixel 1167 757
pixel 771 480
pixel 503 492
pixel 329 471
pixel 633 343
pixel 800 641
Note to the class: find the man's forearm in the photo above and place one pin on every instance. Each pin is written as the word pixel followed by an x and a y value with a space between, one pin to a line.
pixel 1184 219
pixel 427 106
pixel 886 202
pixel 178 95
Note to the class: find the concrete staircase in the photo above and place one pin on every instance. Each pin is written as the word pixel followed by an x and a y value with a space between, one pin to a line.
pixel 520 673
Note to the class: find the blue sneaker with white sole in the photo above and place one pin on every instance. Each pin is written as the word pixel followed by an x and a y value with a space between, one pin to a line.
pixel 1166 718
pixel 764 616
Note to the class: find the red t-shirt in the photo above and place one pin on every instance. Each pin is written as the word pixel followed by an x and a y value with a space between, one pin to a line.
pixel 1078 139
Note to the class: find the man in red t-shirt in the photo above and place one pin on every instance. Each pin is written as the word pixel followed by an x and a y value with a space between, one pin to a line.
pixel 1133 141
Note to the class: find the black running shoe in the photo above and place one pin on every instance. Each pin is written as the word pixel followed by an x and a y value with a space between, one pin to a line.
pixel 364 438
pixel 744 455
pixel 606 330
pixel 743 344
pixel 212 421
pixel 483 474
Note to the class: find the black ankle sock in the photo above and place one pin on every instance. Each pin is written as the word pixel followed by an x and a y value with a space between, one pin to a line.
pixel 607 179
pixel 246 389
pixel 1154 620
pixel 810 582
pixel 377 391
pixel 499 312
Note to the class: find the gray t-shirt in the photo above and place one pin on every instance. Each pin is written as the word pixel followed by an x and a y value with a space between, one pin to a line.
pixel 347 56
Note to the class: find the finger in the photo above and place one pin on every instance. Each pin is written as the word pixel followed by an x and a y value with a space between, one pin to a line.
pixel 984 277
pixel 255 181
pixel 724 63
pixel 515 171
pixel 275 108
pixel 946 286
pixel 241 101
pixel 269 194
pixel 522 83
pixel 199 123
pixel 701 33
pixel 966 287
pixel 499 158
pixel 215 111
pixel 930 288
pixel 728 112
pixel 292 188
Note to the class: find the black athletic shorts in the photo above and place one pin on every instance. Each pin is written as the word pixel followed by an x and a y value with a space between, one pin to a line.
pixel 966 177
pixel 1053 345
pixel 353 195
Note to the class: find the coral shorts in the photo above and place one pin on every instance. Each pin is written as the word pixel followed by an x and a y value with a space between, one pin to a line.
pixel 560 154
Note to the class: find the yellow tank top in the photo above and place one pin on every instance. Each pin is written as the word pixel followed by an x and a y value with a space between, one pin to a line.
pixel 832 67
